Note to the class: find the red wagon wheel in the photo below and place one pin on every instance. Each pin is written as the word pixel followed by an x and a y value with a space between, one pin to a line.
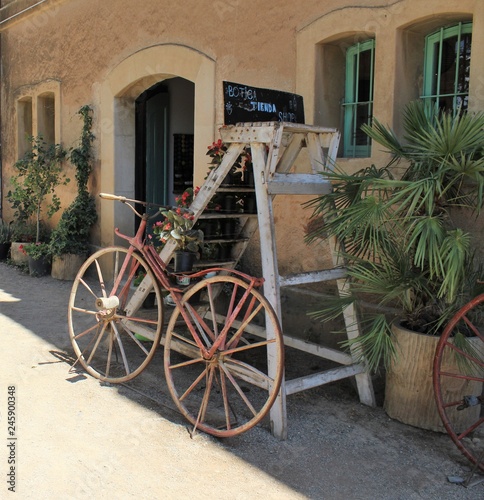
pixel 458 379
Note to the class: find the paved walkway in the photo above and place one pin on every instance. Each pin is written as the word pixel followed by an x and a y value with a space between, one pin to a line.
pixel 76 438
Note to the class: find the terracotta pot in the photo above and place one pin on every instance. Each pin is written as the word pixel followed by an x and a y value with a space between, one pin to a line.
pixel 409 392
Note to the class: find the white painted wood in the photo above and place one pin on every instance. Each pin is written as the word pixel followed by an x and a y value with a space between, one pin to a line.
pixel 363 380
pixel 314 184
pixel 313 277
pixel 289 154
pixel 270 273
pixel 318 350
pixel 275 147
pixel 317 379
pixel 247 133
pixel 302 345
pixel 332 151
pixel 315 152
pixel 305 129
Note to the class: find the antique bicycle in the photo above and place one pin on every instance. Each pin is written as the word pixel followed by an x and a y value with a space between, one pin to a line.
pixel 218 340
pixel 458 376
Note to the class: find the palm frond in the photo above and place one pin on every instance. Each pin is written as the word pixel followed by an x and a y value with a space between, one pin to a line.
pixel 384 136
pixel 424 238
pixel 375 344
pixel 454 252
pixel 332 307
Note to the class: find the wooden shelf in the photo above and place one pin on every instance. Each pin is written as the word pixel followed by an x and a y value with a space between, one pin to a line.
pixel 235 188
pixel 225 215
pixel 225 240
pixel 201 264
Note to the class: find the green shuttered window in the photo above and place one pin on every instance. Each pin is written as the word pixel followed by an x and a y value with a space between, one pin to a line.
pixel 358 105
pixel 446 69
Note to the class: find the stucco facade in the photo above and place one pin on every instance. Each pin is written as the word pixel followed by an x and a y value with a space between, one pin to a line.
pixel 108 53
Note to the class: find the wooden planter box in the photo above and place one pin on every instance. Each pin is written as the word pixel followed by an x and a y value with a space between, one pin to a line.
pixel 17 255
pixel 66 266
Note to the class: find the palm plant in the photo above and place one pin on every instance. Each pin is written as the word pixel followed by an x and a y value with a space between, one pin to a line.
pixel 397 225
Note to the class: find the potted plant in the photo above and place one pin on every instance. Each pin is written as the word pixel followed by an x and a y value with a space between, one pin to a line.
pixel 69 242
pixel 240 171
pixel 39 173
pixel 5 239
pixel 178 225
pixel 39 257
pixel 405 248
pixel 22 233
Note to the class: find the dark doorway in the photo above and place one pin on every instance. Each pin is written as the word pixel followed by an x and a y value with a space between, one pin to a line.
pixel 152 146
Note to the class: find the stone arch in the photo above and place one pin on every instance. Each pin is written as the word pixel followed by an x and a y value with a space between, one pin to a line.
pixel 121 87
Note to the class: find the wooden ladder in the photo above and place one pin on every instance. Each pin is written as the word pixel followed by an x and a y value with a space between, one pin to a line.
pixel 274 149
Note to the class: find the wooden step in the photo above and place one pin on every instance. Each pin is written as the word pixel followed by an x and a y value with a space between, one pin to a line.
pixel 313 277
pixel 313 184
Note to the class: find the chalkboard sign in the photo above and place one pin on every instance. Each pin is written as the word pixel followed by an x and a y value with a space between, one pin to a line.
pixel 251 104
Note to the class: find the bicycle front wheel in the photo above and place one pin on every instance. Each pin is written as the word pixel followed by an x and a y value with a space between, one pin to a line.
pixel 459 377
pixel 219 375
pixel 114 338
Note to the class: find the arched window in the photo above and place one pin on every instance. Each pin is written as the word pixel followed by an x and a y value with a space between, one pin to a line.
pixel 358 105
pixel 446 68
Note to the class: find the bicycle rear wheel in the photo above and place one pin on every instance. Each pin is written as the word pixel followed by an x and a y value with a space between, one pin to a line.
pixel 113 341
pixel 458 380
pixel 232 389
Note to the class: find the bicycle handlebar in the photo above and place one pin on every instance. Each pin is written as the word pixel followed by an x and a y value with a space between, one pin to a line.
pixel 108 196
pixel 123 199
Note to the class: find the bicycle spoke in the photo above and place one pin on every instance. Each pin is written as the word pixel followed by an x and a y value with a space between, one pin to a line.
pixel 194 384
pixel 101 279
pixel 121 348
pixel 238 389
pixel 85 332
pixel 88 288
pixel 98 340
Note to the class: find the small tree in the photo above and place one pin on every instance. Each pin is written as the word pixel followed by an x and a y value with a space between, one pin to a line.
pixel 72 233
pixel 39 173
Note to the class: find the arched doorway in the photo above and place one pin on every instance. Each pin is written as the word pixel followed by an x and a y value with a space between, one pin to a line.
pixel 164 141
pixel 178 68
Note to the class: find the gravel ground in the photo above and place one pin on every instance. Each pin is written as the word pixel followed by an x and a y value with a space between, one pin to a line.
pixel 78 438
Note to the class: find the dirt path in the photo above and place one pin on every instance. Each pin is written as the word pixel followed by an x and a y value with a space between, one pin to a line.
pixel 79 439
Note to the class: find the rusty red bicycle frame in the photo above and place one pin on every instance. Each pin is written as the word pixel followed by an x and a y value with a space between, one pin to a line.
pixel 159 268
